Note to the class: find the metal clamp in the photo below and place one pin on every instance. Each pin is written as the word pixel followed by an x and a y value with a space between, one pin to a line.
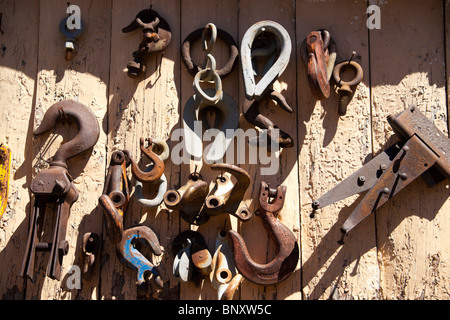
pixel 55 185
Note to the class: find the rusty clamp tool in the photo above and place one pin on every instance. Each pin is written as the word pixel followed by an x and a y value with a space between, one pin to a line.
pixel 160 183
pixel 346 88
pixel 318 53
pixel 156 38
pixel 54 184
pixel 265 39
pixel 211 100
pixel 285 262
pixel 423 150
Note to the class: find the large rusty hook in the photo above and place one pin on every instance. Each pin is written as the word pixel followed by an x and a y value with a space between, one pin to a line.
pixel 228 195
pixel 251 114
pixel 287 257
pixel 88 129
pixel 158 164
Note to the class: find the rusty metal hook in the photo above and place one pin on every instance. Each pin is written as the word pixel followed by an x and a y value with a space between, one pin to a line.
pixel 345 87
pixel 285 262
pixel 158 164
pixel 88 129
pixel 251 114
pixel 319 55
pixel 156 37
pixel 128 252
pixel 227 195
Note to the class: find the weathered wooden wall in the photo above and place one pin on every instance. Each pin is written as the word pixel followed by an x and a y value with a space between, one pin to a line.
pixel 401 252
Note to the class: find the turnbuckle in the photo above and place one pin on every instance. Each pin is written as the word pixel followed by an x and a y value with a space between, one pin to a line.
pixel 55 185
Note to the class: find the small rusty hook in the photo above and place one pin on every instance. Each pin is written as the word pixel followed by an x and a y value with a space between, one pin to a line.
pixel 345 87
pixel 285 262
pixel 252 115
pixel 158 164
pixel 88 129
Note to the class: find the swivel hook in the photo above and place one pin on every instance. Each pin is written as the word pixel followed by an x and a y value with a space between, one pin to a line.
pixel 287 257
pixel 158 164
pixel 346 88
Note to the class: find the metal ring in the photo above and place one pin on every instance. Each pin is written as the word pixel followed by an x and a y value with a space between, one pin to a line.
pixel 193 68
pixel 342 66
pixel 218 89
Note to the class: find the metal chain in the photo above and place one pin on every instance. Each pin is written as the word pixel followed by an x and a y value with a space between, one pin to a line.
pixel 208 72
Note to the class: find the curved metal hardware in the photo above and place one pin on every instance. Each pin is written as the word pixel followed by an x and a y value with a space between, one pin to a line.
pixel 189 199
pixel 287 256
pixel 194 68
pixel 318 52
pixel 158 164
pixel 116 194
pixel 128 252
pixel 90 250
pixel 88 129
pixel 71 37
pixel 232 287
pixel 251 113
pixel 182 264
pixel 257 91
pixel 156 37
pixel 345 87
pixel 54 184
pixel 227 196
pixel 226 111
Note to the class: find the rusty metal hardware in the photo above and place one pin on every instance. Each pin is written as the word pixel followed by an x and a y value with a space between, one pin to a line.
pixel 190 254
pixel 285 262
pixel 116 195
pixel 5 167
pixel 71 37
pixel 226 196
pixel 346 88
pixel 275 32
pixel 161 183
pixel 251 113
pixel 90 251
pixel 232 287
pixel 194 68
pixel 423 151
pixel 129 251
pixel 158 164
pixel 156 37
pixel 55 185
pixel 189 199
pixel 319 55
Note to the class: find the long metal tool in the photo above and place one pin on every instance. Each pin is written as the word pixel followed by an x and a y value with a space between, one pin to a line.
pixel 423 150
pixel 56 185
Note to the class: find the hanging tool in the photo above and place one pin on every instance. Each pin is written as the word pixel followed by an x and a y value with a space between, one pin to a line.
pixel 226 196
pixel 158 164
pixel 129 251
pixel 209 100
pixel 318 52
pixel 194 68
pixel 116 195
pixel 285 262
pixel 346 88
pixel 189 199
pixel 55 184
pixel 71 36
pixel 423 150
pixel 251 113
pixel 279 34
pixel 161 183
pixel 90 251
pixel 5 167
pixel 156 37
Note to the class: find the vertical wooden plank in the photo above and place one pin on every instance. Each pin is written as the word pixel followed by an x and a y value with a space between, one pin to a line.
pixel 412 227
pixel 18 66
pixel 332 148
pixel 84 79
pixel 262 249
pixel 142 107
pixel 195 15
